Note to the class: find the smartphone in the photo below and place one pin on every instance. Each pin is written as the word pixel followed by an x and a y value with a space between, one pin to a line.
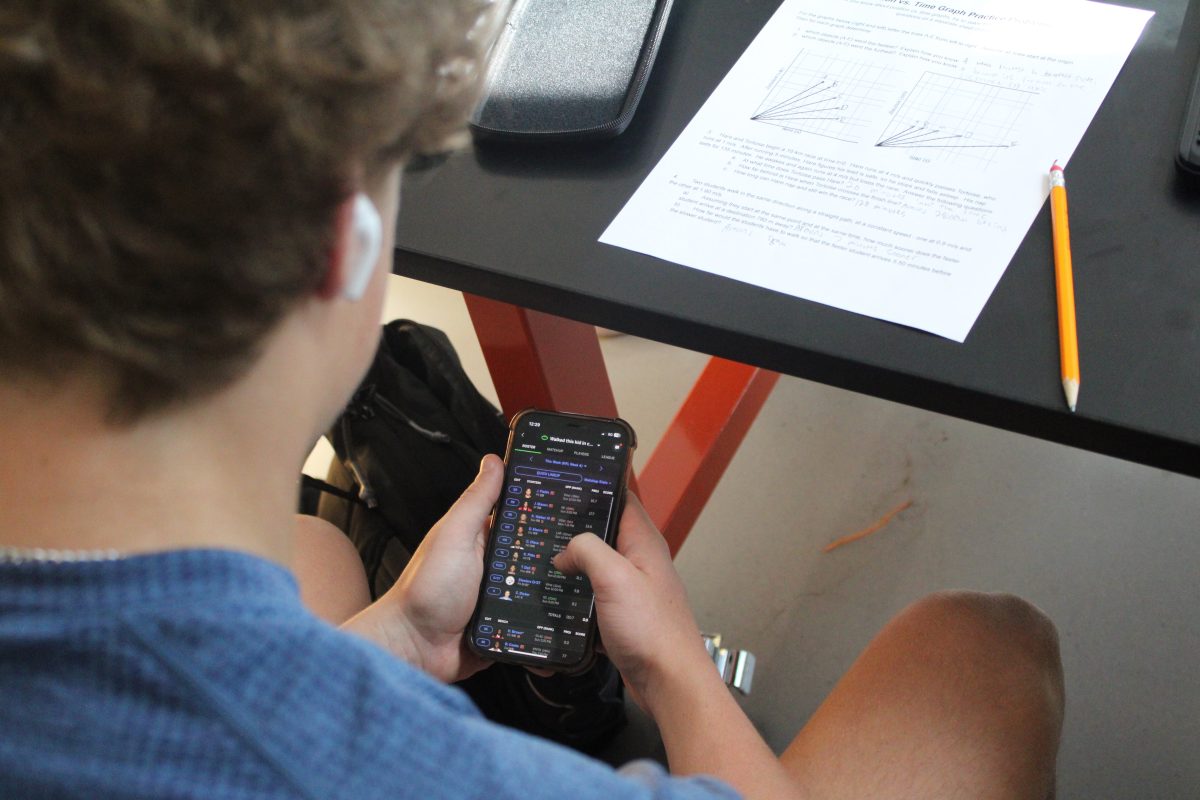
pixel 564 474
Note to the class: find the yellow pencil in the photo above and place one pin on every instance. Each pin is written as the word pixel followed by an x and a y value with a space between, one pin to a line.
pixel 1068 342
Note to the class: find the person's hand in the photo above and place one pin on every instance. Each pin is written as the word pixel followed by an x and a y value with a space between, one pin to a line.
pixel 641 606
pixel 422 617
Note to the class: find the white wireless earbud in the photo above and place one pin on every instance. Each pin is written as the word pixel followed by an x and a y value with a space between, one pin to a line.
pixel 367 228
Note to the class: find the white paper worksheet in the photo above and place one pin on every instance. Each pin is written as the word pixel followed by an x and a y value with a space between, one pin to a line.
pixel 885 157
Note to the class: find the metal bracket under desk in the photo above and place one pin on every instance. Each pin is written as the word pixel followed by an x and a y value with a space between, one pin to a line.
pixel 539 360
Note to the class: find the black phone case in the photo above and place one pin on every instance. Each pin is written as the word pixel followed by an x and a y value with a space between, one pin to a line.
pixel 569 70
pixel 593 632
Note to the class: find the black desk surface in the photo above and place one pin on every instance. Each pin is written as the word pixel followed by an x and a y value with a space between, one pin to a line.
pixel 520 225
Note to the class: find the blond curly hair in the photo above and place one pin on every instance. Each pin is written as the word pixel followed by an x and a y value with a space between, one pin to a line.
pixel 170 169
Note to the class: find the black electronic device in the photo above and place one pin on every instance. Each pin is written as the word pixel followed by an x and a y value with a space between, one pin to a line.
pixel 1188 157
pixel 564 474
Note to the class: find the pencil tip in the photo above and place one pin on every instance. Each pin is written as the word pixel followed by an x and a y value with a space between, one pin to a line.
pixel 1071 390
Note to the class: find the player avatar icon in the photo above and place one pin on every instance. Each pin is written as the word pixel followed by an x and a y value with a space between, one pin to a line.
pixel 512 570
pixel 528 493
pixel 509 581
pixel 507 595
pixel 524 518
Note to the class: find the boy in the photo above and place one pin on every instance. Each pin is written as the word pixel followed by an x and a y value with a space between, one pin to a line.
pixel 197 200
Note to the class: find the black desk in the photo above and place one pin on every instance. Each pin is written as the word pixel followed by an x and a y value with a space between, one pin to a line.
pixel 521 227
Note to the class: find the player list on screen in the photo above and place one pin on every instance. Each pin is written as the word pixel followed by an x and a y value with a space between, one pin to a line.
pixel 555 488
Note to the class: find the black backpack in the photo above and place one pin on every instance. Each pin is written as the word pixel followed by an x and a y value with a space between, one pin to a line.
pixel 407 445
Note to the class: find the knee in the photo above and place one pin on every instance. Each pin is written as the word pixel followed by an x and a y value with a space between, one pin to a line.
pixel 1007 635
pixel 333 583
pixel 1005 618
pixel 324 543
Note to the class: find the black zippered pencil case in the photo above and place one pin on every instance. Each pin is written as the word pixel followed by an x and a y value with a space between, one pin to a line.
pixel 569 70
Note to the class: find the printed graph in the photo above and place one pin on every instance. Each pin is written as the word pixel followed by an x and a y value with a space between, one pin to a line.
pixel 827 96
pixel 947 117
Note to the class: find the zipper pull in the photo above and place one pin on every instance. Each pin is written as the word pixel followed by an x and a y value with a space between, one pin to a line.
pixel 366 494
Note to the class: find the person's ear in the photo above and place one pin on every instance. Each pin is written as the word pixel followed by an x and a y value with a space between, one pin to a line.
pixel 358 238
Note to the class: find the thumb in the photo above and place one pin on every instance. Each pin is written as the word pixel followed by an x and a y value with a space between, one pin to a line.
pixel 470 512
pixel 588 554
pixel 477 500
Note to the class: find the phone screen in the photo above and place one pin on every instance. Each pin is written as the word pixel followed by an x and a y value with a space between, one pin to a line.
pixel 564 475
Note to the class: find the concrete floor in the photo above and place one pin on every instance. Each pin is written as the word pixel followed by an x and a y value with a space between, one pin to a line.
pixel 1110 550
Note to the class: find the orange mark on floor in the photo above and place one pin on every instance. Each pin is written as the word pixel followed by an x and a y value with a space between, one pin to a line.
pixel 875 527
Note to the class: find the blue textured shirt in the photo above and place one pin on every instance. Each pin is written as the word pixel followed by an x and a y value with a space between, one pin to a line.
pixel 198 674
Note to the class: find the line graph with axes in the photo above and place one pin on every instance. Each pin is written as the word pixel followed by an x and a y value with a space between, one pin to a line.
pixel 948 117
pixel 826 96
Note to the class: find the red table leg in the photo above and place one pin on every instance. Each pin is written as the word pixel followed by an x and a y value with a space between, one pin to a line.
pixel 541 361
pixel 701 441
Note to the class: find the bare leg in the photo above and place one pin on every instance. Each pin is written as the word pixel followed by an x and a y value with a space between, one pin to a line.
pixel 332 581
pixel 960 696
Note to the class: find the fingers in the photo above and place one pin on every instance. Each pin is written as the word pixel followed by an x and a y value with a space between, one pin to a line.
pixel 589 555
pixel 639 546
pixel 470 664
pixel 639 540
